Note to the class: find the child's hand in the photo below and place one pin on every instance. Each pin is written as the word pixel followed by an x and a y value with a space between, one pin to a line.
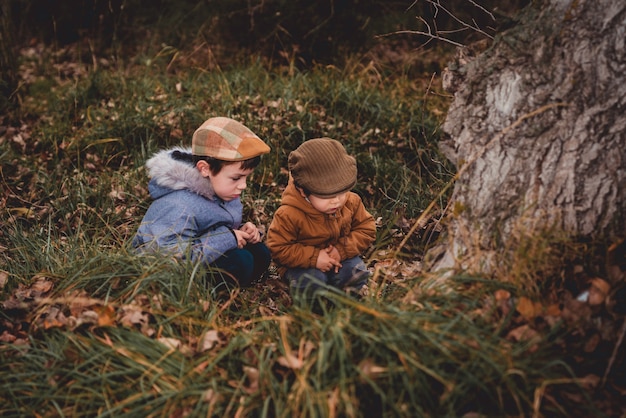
pixel 326 262
pixel 333 252
pixel 242 237
pixel 254 235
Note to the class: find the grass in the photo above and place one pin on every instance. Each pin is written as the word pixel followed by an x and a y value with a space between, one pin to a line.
pixel 91 329
pixel 359 359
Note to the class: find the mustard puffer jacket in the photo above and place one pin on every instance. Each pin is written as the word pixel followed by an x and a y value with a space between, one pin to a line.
pixel 298 231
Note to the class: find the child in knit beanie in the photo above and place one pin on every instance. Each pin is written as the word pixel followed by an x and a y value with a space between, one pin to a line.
pixel 320 230
pixel 196 210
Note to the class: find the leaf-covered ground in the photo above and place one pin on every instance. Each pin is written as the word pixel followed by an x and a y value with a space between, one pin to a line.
pixel 74 299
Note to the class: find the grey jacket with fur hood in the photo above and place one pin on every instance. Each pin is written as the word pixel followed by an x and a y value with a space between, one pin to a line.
pixel 186 219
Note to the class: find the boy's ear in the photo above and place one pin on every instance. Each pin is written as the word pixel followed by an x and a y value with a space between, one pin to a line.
pixel 203 167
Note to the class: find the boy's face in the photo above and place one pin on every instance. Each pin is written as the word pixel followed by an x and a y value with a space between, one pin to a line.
pixel 327 205
pixel 229 182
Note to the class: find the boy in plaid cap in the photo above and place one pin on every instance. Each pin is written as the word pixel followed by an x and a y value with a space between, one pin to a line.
pixel 197 211
pixel 321 228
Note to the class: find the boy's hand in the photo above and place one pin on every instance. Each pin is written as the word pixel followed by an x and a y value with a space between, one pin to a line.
pixel 333 252
pixel 326 261
pixel 242 237
pixel 253 233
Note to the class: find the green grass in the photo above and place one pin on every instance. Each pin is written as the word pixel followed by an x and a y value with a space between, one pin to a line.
pixel 91 329
pixel 374 357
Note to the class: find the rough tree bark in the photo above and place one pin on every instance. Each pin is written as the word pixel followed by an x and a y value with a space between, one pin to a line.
pixel 537 131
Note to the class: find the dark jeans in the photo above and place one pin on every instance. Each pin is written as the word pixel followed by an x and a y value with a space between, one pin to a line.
pixel 305 282
pixel 246 265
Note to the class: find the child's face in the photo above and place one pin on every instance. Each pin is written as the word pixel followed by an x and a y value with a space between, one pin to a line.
pixel 327 205
pixel 229 182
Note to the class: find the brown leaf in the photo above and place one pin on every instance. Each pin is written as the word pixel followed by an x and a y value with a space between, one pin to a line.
pixel 527 308
pixel 79 302
pixel 4 278
pixel 211 396
pixel 553 310
pixel 208 341
pixel 592 343
pixel 16 303
pixel 39 288
pixel 133 316
pixel 55 318
pixel 106 315
pixel 598 291
pixel 502 295
pixel 290 361
pixel 87 317
pixel 503 300
pixel 7 337
pixel 172 343
pixel 370 369
pixel 575 311
pixel 252 375
pixel 525 333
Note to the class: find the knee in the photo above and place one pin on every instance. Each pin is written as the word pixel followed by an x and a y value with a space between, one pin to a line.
pixel 306 282
pixel 261 255
pixel 240 264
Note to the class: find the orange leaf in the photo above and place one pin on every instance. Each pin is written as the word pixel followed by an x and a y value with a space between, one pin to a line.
pixel 527 308
pixel 598 291
pixel 106 315
pixel 553 310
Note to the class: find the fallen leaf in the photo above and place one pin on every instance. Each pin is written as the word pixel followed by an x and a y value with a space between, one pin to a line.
pixel 525 333
pixel 87 317
pixel 40 286
pixel 503 301
pixel 4 278
pixel 252 374
pixel 370 369
pixel 134 316
pixel 209 340
pixel 106 315
pixel 171 343
pixel 527 308
pixel 502 295
pixel 575 311
pixel 290 361
pixel 7 337
pixel 592 343
pixel 553 310
pixel 55 318
pixel 211 396
pixel 598 291
pixel 79 302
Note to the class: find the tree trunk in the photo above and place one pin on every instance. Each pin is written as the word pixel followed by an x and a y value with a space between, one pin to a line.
pixel 537 131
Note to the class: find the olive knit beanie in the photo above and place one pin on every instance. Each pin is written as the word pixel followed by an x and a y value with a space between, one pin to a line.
pixel 323 167
pixel 226 139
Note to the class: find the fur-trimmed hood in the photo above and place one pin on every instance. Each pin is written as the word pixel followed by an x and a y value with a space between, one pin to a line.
pixel 186 217
pixel 168 174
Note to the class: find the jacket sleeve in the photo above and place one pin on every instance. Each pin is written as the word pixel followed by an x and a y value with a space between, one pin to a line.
pixel 211 245
pixel 169 228
pixel 361 233
pixel 282 241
